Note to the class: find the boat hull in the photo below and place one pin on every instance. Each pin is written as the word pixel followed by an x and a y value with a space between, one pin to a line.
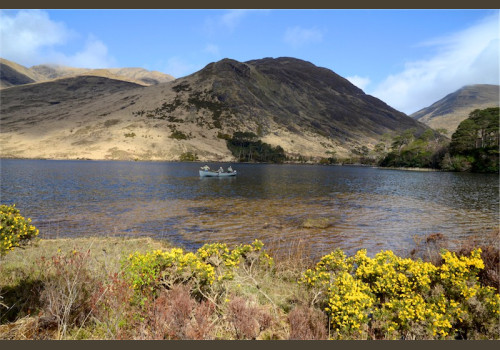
pixel 205 173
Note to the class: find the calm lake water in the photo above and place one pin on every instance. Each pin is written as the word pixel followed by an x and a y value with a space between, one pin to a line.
pixel 327 206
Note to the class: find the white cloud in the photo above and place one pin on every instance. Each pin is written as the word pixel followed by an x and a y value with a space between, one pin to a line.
pixel 361 82
pixel 467 57
pixel 25 34
pixel 30 37
pixel 297 36
pixel 212 49
pixel 93 55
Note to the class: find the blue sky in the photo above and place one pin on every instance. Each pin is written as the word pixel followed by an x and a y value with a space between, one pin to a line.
pixel 407 58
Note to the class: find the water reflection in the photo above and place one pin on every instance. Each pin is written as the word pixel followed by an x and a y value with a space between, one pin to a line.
pixel 346 207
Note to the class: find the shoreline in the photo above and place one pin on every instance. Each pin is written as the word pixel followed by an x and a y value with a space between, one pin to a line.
pixel 236 162
pixel 216 161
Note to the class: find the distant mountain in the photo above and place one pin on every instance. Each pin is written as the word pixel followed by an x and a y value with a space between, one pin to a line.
pixel 448 112
pixel 12 74
pixel 307 110
pixel 136 75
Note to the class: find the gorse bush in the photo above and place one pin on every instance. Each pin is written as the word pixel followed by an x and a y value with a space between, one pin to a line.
pixel 391 297
pixel 225 260
pixel 150 272
pixel 15 230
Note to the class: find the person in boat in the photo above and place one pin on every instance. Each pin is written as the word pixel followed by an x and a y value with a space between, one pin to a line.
pixel 220 170
pixel 229 170
pixel 206 168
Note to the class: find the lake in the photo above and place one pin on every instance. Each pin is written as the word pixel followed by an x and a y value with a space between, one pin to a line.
pixel 348 207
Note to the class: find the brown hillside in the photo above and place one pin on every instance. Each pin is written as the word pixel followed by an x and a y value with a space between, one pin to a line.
pixel 307 110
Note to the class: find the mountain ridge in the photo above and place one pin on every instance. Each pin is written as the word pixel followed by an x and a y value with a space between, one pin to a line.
pixel 448 112
pixel 13 74
pixel 307 110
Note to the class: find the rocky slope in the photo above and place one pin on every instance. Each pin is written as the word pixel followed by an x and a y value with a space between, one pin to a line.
pixel 307 110
pixel 448 112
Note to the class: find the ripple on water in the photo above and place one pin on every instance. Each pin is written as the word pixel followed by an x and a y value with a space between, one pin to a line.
pixel 329 207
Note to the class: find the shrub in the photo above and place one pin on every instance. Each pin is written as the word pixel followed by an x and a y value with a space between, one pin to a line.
pixel 169 314
pixel 391 297
pixel 15 230
pixel 307 323
pixel 178 135
pixel 111 305
pixel 67 290
pixel 188 157
pixel 246 319
pixel 149 272
pixel 173 314
pixel 225 260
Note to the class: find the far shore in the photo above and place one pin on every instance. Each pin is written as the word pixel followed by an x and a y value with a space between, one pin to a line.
pixel 221 162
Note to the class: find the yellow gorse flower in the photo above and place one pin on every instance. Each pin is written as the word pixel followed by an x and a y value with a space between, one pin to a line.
pixel 361 289
pixel 15 230
pixel 211 263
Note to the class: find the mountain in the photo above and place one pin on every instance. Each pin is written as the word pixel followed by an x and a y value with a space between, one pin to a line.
pixel 307 110
pixel 448 112
pixel 12 74
pixel 135 75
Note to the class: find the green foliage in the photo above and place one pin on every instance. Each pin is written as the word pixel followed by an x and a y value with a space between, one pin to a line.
pixel 148 273
pixel 225 260
pixel 410 150
pixel 178 135
pixel 223 136
pixel 327 161
pixel 188 157
pixel 217 108
pixel 404 298
pixel 162 112
pixel 130 134
pixel 457 163
pixel 246 147
pixel 473 146
pixel 477 139
pixel 15 230
pixel 479 130
pixel 181 87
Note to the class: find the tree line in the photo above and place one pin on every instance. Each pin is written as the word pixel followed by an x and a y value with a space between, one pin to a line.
pixel 246 147
pixel 473 147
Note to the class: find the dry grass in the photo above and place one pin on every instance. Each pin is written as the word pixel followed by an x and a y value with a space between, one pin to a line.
pixel 105 253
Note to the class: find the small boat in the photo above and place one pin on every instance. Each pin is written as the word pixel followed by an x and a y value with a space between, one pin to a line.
pixel 211 173
pixel 207 172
